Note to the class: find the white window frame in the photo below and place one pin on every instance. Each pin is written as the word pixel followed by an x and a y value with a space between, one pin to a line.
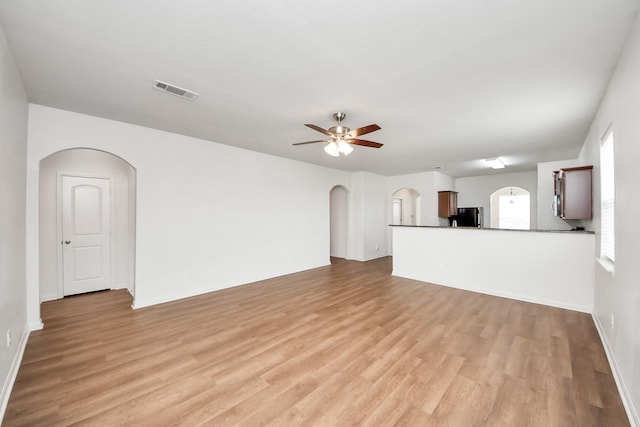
pixel 607 201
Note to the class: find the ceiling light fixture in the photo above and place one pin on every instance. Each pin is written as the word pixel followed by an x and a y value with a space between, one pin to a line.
pixel 337 147
pixel 495 163
pixel 332 149
pixel 344 147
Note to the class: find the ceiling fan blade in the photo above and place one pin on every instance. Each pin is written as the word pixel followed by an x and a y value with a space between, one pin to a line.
pixel 319 129
pixel 363 130
pixel 310 142
pixel 364 143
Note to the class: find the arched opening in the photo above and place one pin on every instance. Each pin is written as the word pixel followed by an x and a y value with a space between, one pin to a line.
pixel 406 207
pixel 71 182
pixel 339 222
pixel 405 210
pixel 511 208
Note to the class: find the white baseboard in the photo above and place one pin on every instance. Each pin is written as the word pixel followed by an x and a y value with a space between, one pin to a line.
pixel 13 373
pixel 508 295
pixel 36 326
pixel 632 412
pixel 50 297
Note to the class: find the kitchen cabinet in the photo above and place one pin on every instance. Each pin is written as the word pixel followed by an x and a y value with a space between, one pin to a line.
pixel 447 203
pixel 572 193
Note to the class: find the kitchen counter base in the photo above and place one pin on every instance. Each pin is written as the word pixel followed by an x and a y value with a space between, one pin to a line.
pixel 555 269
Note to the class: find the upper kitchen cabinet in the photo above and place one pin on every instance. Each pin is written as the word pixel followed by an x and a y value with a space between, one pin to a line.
pixel 447 203
pixel 572 193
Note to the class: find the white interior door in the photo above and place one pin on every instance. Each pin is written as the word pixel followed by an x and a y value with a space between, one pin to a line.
pixel 397 211
pixel 86 251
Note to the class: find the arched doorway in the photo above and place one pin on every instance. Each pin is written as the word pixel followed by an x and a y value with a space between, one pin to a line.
pixel 406 207
pixel 405 210
pixel 511 208
pixel 339 222
pixel 84 166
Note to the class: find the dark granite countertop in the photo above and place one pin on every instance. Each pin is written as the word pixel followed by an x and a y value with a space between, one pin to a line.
pixel 496 229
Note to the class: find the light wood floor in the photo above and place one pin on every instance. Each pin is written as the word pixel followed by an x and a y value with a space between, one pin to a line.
pixel 342 345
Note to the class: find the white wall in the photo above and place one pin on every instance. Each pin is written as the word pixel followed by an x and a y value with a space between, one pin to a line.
pixel 92 163
pixel 339 205
pixel 476 191
pixel 369 216
pixel 13 163
pixel 545 268
pixel 208 216
pixel 620 295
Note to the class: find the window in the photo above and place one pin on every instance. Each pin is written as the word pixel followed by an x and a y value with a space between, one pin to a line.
pixel 607 200
pixel 510 208
pixel 514 212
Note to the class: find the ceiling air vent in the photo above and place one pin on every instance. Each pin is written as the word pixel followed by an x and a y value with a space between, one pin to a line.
pixel 175 90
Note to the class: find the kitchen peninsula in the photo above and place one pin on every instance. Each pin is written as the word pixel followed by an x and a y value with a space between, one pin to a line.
pixel 554 268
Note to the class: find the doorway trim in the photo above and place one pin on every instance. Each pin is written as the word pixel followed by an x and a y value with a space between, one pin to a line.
pixel 59 221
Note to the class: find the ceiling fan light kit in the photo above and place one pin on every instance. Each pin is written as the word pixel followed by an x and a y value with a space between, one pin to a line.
pixel 344 147
pixel 337 147
pixel 332 149
pixel 342 138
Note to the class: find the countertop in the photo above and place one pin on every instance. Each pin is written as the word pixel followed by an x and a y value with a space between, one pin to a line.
pixel 496 229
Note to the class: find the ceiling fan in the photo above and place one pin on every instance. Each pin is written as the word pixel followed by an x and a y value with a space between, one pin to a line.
pixel 341 137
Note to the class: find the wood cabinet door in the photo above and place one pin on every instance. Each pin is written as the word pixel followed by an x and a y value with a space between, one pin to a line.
pixel 447 203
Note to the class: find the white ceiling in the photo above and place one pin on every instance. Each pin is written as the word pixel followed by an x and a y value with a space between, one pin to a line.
pixel 450 82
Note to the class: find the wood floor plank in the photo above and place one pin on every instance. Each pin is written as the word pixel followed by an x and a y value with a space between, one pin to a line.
pixel 346 344
pixel 412 416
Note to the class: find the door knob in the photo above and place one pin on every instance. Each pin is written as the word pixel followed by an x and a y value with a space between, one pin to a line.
pixel 67 241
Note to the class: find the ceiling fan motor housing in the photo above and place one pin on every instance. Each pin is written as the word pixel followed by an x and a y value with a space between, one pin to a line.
pixel 339 130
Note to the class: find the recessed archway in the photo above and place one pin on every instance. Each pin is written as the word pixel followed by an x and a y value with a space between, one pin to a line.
pixel 87 163
pixel 510 208
pixel 405 207
pixel 405 210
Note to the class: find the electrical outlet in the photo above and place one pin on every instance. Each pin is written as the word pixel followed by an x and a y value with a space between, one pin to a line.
pixel 186 275
pixel 8 338
pixel 377 248
pixel 611 321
